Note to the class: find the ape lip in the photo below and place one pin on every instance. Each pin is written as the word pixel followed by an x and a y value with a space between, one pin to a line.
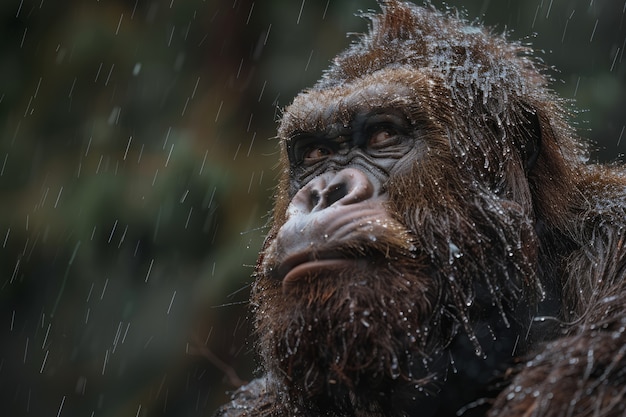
pixel 302 264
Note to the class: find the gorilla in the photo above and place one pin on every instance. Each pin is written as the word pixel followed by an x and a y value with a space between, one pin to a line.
pixel 440 244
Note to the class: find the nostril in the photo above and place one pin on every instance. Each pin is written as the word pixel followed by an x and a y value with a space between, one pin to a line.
pixel 315 198
pixel 336 193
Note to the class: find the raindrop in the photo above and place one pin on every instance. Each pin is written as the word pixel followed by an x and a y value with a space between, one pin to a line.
pixel 44 362
pixel 6 237
pixel 455 252
pixel 594 31
pixel 149 270
pixel 251 180
pixel 262 91
pixel 4 164
pixel 171 302
pixel 98 72
pixel 56 203
pixel 119 23
pixel 169 155
pixel 325 10
pixel 114 116
pixel 26 349
pixel 63 402
pixel 23 37
pixel 89 294
pixel 45 339
pixel 81 384
pixel 145 346
pixel 185 107
pixel 395 367
pixel 188 217
pixel 112 231
pixel 452 363
pixel 203 162
pixel 109 76
pixel 193 93
pixel 104 288
pixel 185 194
pixel 251 142
pixel 300 13
pixel 169 41
pixel 69 95
pixel 220 108
pixel 549 8
pixel 308 62
pixel 106 360
pixel 249 14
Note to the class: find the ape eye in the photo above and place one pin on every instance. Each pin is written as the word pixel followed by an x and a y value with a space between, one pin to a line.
pixel 315 153
pixel 384 129
pixel 382 136
pixel 307 149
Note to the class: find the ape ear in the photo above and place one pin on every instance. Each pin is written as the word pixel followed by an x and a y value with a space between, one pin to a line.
pixel 531 148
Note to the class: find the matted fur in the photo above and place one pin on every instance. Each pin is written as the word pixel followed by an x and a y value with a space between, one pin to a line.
pixel 499 222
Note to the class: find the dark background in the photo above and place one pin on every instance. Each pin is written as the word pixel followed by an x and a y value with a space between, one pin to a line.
pixel 137 161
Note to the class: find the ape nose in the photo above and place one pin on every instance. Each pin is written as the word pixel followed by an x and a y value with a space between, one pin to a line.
pixel 345 187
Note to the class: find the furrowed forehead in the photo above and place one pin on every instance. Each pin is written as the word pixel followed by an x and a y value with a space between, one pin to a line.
pixel 314 110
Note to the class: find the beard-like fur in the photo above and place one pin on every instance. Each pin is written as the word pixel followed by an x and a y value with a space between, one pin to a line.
pixel 386 321
pixel 349 332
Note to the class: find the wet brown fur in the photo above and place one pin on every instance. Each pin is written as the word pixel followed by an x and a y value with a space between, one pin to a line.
pixel 503 182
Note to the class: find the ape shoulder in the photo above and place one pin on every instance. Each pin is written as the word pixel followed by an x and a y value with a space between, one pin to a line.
pixel 252 399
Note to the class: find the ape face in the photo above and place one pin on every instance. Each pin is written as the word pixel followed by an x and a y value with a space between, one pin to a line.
pixel 354 293
pixel 380 238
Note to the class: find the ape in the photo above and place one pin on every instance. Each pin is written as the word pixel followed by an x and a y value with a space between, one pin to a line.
pixel 439 244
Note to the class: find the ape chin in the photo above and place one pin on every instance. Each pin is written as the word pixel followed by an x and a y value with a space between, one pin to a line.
pixel 438 245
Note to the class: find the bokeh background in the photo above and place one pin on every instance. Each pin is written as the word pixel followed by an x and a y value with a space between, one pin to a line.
pixel 137 161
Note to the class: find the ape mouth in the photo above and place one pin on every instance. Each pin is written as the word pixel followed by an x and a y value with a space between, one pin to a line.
pixel 307 266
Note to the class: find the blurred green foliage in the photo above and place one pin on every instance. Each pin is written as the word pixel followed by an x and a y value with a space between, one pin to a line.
pixel 136 168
